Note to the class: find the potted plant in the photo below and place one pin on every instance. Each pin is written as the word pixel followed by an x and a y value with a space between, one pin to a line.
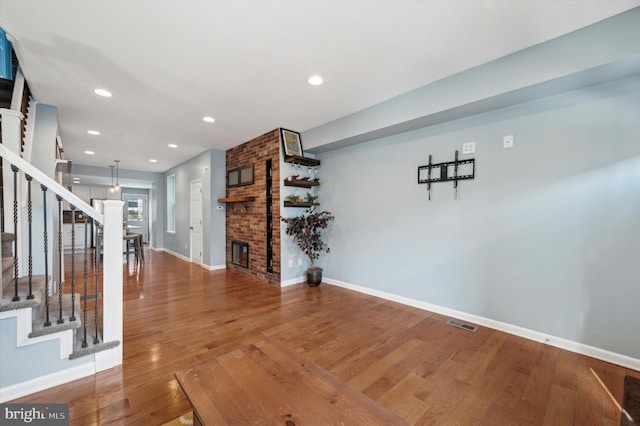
pixel 306 231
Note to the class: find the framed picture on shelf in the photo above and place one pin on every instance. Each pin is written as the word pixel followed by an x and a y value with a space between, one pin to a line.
pixel 291 142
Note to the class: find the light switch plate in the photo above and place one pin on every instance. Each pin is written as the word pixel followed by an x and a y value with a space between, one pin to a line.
pixel 507 141
pixel 469 148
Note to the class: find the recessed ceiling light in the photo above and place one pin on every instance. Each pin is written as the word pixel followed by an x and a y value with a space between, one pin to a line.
pixel 153 160
pixel 209 119
pixel 315 80
pixel 102 92
pixel 173 145
pixel 93 132
pixel 89 152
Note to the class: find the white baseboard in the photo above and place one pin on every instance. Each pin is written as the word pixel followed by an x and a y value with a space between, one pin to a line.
pixel 292 281
pixel 214 267
pixel 105 360
pixel 559 342
pixel 173 253
pixel 186 259
pixel 38 384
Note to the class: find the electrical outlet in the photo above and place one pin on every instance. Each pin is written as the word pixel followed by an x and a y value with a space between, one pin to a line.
pixel 469 148
pixel 507 141
pixel 186 246
pixel 290 263
pixel 299 261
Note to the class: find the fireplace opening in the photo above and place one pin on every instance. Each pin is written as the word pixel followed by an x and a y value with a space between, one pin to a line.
pixel 240 253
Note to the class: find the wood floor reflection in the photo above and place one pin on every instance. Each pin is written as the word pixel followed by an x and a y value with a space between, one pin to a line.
pixel 410 361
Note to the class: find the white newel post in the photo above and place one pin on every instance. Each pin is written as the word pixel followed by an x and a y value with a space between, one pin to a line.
pixel 112 287
pixel 11 122
pixel 11 138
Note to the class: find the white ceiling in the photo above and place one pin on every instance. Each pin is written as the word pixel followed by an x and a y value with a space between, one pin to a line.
pixel 246 63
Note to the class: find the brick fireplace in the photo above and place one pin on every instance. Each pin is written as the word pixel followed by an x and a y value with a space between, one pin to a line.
pixel 247 221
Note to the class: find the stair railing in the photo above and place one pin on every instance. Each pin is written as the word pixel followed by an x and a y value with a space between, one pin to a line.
pixel 110 223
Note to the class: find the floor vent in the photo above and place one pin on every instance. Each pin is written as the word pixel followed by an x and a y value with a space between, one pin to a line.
pixel 462 325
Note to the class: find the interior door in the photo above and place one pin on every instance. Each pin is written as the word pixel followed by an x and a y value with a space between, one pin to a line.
pixel 136 214
pixel 195 227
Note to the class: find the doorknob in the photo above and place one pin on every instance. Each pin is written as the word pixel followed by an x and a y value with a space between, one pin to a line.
pixel 191 227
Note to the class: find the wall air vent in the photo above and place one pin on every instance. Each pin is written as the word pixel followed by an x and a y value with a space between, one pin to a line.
pixel 462 325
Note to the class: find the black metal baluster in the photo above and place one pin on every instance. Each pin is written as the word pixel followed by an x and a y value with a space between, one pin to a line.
pixel 86 274
pixel 96 272
pixel 73 264
pixel 47 322
pixel 14 169
pixel 60 256
pixel 30 220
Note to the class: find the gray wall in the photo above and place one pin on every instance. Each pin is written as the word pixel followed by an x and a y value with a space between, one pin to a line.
pixel 546 237
pixel 45 131
pixel 34 360
pixel 594 54
pixel 217 236
pixel 213 225
pixel 289 251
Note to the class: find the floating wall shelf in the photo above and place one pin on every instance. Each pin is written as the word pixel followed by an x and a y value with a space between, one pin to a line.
pixel 300 183
pixel 305 161
pixel 296 204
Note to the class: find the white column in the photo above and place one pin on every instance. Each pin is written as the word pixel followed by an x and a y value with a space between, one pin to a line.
pixel 112 287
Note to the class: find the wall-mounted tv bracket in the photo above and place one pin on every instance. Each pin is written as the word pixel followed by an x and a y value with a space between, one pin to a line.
pixel 439 172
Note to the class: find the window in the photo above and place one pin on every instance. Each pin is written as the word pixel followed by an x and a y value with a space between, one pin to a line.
pixel 135 210
pixel 171 203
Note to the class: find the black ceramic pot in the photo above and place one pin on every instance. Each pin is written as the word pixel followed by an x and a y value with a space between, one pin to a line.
pixel 314 276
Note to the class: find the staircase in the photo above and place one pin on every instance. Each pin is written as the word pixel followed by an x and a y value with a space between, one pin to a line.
pixel 79 312
pixel 60 313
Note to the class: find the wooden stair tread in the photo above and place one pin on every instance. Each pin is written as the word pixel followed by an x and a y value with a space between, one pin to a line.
pixel 8 291
pixel 7 262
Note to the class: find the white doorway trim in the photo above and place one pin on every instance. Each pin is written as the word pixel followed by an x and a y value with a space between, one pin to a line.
pixel 195 222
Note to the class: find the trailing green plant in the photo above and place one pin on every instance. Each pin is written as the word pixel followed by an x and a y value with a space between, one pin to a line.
pixel 306 230
pixel 310 198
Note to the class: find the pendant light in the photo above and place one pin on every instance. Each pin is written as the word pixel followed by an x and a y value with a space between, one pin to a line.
pixel 111 188
pixel 117 186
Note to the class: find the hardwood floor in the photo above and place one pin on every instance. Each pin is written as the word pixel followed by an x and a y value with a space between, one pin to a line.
pixel 410 361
